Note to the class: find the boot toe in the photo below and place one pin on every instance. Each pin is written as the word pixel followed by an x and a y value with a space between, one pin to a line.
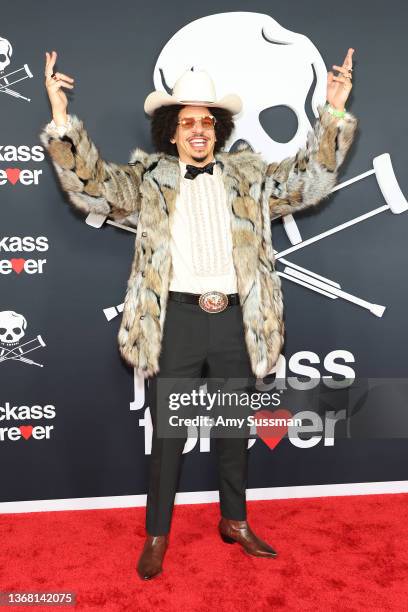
pixel 149 574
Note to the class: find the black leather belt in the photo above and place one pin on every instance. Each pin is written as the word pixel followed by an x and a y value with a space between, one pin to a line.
pixel 210 301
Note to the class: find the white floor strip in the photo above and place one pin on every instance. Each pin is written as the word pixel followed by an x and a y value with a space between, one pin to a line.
pixel 203 497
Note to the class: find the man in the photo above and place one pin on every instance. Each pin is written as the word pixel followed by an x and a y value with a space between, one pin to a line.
pixel 203 297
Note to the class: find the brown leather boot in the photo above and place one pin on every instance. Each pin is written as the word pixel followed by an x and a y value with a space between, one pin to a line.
pixel 240 531
pixel 150 561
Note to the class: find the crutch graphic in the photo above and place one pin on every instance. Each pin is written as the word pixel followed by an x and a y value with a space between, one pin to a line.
pixel 18 351
pixel 4 87
pixel 396 202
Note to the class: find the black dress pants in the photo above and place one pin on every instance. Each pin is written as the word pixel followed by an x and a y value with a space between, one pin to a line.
pixel 201 346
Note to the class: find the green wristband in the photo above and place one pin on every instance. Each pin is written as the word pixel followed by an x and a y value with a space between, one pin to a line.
pixel 334 111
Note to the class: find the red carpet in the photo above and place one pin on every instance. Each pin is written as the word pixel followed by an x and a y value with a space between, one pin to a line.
pixel 338 553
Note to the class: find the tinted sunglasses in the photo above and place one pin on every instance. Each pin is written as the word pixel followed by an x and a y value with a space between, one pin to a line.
pixel 207 122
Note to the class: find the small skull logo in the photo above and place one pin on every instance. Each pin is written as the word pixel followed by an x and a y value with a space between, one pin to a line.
pixel 12 327
pixel 6 51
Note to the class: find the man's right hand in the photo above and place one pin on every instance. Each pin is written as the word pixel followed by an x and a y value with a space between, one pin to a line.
pixel 57 96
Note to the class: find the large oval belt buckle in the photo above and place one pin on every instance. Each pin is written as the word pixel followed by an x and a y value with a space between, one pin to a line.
pixel 213 301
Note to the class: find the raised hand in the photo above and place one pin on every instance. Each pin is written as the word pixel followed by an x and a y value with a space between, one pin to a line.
pixel 54 84
pixel 339 87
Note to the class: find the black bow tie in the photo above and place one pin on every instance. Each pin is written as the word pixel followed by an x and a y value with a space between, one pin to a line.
pixel 193 171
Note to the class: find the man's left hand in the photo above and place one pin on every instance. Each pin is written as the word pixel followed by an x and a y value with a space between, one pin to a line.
pixel 339 87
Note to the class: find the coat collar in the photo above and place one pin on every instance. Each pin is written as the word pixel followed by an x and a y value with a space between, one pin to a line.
pixel 164 169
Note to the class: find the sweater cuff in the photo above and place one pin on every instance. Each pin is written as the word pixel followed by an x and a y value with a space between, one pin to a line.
pixel 58 130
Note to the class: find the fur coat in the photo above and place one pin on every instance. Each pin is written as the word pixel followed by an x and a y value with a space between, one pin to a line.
pixel 142 194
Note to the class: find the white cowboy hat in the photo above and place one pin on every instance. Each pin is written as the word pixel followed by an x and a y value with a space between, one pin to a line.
pixel 193 88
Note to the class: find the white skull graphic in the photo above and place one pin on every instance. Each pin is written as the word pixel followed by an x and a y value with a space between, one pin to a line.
pixel 6 51
pixel 253 56
pixel 12 327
